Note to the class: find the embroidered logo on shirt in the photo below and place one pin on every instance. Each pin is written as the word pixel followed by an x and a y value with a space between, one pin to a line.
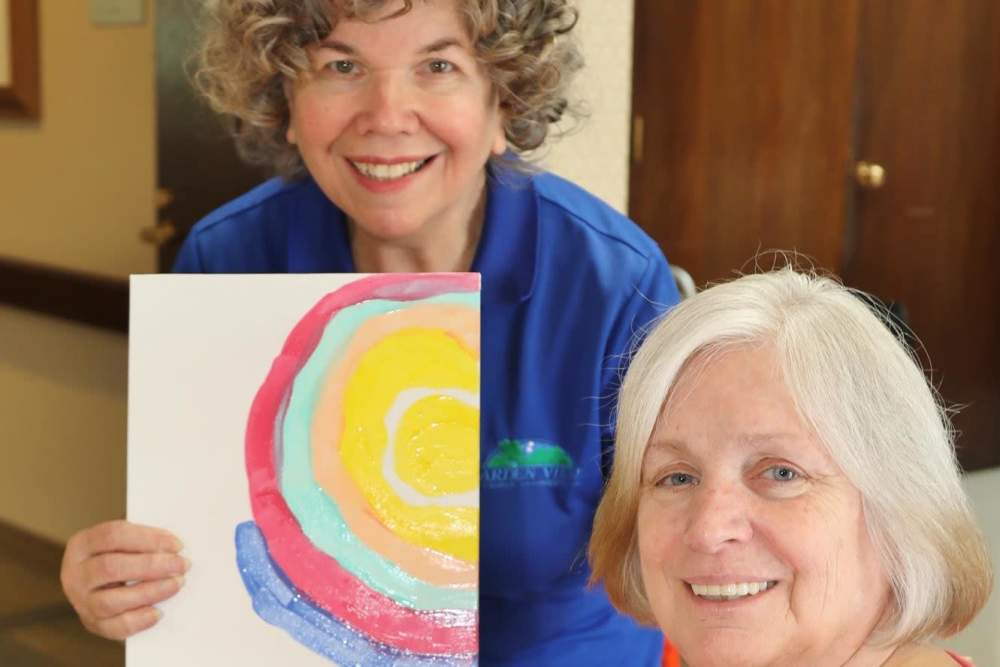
pixel 519 462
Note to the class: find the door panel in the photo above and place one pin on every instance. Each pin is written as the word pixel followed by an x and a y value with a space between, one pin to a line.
pixel 747 115
pixel 930 237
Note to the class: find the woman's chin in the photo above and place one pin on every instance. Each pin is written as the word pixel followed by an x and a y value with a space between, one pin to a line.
pixel 390 227
pixel 727 648
pixel 728 658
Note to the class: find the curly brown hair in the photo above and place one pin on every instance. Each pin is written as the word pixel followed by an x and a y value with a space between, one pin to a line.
pixel 250 48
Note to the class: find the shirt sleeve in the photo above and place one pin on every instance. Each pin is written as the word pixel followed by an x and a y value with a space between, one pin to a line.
pixel 653 294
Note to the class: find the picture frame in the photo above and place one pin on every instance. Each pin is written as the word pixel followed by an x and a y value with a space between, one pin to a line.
pixel 20 90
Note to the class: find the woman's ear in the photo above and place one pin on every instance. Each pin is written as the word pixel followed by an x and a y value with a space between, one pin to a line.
pixel 500 141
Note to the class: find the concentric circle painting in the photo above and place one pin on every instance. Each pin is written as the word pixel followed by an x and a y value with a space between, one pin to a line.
pixel 362 461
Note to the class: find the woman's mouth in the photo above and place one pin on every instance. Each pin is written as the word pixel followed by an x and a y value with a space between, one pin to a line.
pixel 731 591
pixel 384 172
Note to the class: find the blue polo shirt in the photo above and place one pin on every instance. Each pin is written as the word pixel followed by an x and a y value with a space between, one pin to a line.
pixel 567 284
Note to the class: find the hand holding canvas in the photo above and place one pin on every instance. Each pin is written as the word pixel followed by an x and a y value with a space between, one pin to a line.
pixel 113 573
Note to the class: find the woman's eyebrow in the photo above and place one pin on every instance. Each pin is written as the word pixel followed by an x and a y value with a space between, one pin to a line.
pixel 336 45
pixel 761 439
pixel 658 451
pixel 434 47
pixel 668 446
pixel 780 441
pixel 793 446
pixel 441 45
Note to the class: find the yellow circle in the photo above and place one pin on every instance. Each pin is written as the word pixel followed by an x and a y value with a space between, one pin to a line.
pixel 436 446
pixel 416 358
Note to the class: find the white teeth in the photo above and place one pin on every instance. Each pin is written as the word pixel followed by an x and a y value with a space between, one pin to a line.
pixel 730 591
pixel 388 172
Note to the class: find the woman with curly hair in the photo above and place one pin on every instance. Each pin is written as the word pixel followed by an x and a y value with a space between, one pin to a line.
pixel 397 129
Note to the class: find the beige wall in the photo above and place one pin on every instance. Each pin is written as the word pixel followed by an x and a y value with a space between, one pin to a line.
pixel 596 155
pixel 62 419
pixel 75 189
pixel 77 186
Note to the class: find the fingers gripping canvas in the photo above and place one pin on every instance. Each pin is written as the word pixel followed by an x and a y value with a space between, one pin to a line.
pixel 359 463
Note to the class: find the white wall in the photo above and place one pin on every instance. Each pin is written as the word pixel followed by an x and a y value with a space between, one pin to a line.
pixel 981 640
pixel 596 156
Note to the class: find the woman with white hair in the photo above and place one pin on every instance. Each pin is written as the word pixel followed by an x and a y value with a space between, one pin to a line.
pixel 784 489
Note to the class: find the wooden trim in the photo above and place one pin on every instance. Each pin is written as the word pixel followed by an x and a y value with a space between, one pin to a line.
pixel 72 295
pixel 30 548
pixel 22 98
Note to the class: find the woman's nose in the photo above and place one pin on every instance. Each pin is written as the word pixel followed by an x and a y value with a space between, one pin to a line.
pixel 718 517
pixel 389 106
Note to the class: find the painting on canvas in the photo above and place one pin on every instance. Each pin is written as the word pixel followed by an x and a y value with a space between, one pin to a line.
pixel 314 442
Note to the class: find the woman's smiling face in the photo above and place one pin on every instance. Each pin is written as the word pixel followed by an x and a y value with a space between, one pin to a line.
pixel 752 543
pixel 397 120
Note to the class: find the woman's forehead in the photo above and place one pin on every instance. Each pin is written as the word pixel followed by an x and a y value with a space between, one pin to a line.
pixel 720 370
pixel 376 11
pixel 425 26
pixel 734 397
pixel 737 444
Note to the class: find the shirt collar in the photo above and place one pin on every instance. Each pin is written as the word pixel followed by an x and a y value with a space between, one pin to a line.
pixel 507 251
pixel 318 240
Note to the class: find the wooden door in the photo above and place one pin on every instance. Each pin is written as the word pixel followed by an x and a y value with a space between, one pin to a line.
pixel 745 116
pixel 929 238
pixel 751 117
pixel 198 168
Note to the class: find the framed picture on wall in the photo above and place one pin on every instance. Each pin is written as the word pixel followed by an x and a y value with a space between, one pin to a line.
pixel 19 84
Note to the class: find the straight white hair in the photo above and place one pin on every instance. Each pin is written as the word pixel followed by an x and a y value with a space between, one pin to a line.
pixel 862 391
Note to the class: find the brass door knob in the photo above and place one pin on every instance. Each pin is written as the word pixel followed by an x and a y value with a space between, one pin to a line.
pixel 869 175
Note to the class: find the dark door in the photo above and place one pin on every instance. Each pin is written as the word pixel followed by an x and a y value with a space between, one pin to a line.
pixel 198 168
pixel 745 114
pixel 752 117
pixel 929 238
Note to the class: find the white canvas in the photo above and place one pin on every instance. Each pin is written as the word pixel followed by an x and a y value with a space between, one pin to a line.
pixel 200 348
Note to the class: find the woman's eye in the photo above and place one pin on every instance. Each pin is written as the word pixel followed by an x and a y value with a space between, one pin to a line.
pixel 342 66
pixel 678 479
pixel 782 474
pixel 440 66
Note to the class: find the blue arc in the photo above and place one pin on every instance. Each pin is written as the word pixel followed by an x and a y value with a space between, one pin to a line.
pixel 277 601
